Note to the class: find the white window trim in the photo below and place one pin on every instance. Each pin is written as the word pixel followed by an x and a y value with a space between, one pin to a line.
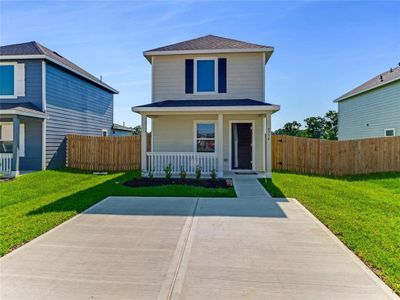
pixel 215 59
pixel 253 148
pixel 195 122
pixel 104 130
pixel 14 96
pixel 387 129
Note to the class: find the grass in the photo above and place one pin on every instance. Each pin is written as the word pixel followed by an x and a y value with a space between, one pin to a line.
pixel 35 203
pixel 363 211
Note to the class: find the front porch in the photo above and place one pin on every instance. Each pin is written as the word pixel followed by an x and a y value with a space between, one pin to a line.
pixel 22 139
pixel 213 139
pixel 187 161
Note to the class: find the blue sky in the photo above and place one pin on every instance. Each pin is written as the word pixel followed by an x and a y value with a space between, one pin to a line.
pixel 322 48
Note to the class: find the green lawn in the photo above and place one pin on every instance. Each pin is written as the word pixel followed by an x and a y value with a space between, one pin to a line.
pixel 34 203
pixel 363 211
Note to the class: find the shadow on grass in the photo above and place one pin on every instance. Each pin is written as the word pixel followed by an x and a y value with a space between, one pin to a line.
pixel 353 177
pixel 272 189
pixel 371 176
pixel 157 203
pixel 81 200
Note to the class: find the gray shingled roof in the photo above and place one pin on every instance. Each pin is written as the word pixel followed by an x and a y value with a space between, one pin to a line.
pixel 116 126
pixel 379 80
pixel 34 48
pixel 210 42
pixel 200 103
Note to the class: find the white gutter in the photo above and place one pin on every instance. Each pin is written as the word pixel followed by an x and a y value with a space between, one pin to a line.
pixel 151 53
pixel 272 107
pixel 41 56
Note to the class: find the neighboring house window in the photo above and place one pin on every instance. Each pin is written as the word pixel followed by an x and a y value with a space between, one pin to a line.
pixel 204 136
pixel 104 132
pixel 390 132
pixel 7 80
pixel 6 138
pixel 206 74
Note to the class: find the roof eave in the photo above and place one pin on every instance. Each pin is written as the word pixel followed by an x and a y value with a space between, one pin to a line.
pixel 342 98
pixel 149 54
pixel 254 108
pixel 26 113
pixel 42 56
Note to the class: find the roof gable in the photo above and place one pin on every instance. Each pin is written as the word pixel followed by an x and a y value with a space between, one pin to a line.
pixel 34 48
pixel 380 80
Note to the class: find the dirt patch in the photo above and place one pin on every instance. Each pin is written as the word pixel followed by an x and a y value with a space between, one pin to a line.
pixel 207 183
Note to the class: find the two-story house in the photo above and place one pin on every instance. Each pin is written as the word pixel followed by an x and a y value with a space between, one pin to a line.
pixel 43 97
pixel 371 109
pixel 208 107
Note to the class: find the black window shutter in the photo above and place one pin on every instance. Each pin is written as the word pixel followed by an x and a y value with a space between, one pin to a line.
pixel 189 76
pixel 222 75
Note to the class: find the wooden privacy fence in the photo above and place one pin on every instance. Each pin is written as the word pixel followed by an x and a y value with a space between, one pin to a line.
pixel 302 155
pixel 98 153
pixel 322 157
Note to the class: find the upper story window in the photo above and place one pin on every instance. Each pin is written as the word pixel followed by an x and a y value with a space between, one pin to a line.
pixel 12 80
pixel 7 80
pixel 206 74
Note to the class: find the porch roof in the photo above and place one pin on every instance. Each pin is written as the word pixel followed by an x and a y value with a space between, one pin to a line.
pixel 207 105
pixel 22 109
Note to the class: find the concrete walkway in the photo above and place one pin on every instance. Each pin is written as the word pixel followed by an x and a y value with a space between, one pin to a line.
pixel 251 247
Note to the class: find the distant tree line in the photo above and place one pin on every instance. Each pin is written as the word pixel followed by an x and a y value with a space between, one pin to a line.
pixel 315 127
pixel 137 130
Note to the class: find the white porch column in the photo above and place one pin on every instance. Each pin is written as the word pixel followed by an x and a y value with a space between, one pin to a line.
pixel 143 145
pixel 268 147
pixel 15 160
pixel 44 124
pixel 220 145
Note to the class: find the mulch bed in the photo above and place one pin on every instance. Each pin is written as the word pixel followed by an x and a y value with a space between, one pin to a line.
pixel 207 183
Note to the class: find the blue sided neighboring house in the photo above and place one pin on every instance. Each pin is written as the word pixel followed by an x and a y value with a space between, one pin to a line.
pixel 44 97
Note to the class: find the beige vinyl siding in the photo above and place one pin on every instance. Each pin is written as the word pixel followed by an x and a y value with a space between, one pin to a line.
pixel 174 133
pixel 379 108
pixel 245 77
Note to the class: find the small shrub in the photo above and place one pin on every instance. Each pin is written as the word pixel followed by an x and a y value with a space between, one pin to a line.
pixel 151 174
pixel 182 173
pixel 213 175
pixel 168 171
pixel 198 172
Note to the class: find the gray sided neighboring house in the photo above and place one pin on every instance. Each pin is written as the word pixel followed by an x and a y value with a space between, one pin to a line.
pixel 121 130
pixel 50 98
pixel 372 109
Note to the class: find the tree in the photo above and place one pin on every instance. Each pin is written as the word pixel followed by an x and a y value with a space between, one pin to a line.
pixel 137 130
pixel 315 127
pixel 331 125
pixel 290 128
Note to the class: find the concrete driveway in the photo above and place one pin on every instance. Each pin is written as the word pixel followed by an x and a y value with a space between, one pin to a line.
pixel 251 247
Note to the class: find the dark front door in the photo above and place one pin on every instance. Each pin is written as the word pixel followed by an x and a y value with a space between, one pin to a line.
pixel 241 146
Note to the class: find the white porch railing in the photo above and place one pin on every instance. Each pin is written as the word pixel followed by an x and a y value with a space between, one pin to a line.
pixel 157 161
pixel 5 163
